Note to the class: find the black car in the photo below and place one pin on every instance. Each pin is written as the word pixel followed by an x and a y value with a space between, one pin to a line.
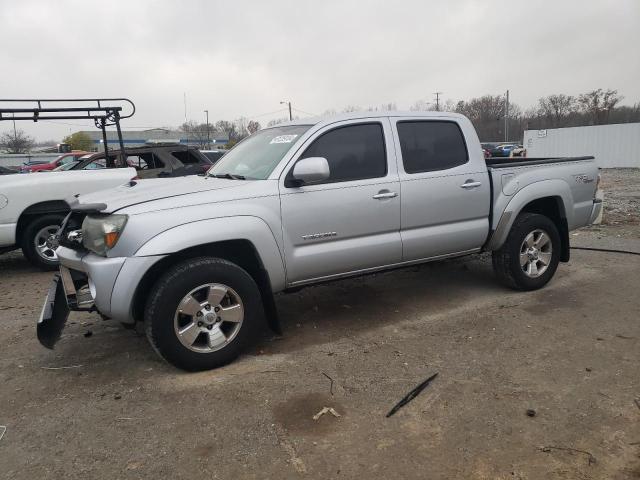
pixel 7 171
pixel 157 161
pixel 213 155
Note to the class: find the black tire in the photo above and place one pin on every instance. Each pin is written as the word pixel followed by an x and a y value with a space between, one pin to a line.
pixel 506 260
pixel 174 285
pixel 27 241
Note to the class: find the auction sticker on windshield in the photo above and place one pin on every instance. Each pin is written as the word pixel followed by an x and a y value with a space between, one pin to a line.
pixel 283 139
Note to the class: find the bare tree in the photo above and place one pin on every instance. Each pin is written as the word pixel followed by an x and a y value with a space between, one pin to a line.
pixel 277 121
pixel 597 104
pixel 421 106
pixel 227 128
pixel 16 142
pixel 253 127
pixel 557 109
pixel 197 132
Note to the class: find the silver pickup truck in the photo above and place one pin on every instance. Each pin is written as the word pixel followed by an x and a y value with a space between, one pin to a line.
pixel 199 259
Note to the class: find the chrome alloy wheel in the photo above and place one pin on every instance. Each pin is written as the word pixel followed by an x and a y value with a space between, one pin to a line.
pixel 535 253
pixel 208 317
pixel 44 247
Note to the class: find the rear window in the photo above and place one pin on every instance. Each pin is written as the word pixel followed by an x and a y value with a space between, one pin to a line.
pixel 429 146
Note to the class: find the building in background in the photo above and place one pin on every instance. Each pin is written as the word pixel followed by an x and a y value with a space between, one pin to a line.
pixel 157 135
pixel 614 146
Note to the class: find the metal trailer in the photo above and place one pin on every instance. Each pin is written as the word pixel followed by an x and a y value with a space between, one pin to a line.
pixel 613 146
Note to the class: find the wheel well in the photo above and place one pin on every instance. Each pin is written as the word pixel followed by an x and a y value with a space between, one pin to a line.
pixel 36 210
pixel 241 252
pixel 553 208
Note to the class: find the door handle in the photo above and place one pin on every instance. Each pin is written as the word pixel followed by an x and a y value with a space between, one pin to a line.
pixel 470 184
pixel 382 194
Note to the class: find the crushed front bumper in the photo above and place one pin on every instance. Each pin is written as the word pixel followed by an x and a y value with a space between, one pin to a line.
pixel 89 282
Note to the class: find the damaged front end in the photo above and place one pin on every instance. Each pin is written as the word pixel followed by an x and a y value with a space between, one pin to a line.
pixel 70 289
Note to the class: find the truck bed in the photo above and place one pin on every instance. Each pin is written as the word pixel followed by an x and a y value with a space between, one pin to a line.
pixel 506 162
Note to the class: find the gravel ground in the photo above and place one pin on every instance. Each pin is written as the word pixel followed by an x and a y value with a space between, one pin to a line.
pixel 622 196
pixel 104 406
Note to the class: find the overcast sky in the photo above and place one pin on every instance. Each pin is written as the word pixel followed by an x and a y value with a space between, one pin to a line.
pixel 242 58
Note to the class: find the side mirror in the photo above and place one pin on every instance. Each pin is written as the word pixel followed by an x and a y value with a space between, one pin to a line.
pixel 310 170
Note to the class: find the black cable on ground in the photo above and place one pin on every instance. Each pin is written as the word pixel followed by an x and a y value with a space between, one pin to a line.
pixel 609 250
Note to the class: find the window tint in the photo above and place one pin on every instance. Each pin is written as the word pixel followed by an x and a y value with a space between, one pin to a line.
pixel 186 156
pixel 353 152
pixel 427 146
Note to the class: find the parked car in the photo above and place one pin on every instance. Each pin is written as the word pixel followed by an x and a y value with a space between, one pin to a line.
pixel 52 164
pixel 214 155
pixel 152 161
pixel 7 171
pixel 503 150
pixel 32 208
pixel 198 259
pixel 486 149
pixel 518 151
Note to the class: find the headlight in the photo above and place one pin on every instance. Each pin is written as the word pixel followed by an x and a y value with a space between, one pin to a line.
pixel 101 233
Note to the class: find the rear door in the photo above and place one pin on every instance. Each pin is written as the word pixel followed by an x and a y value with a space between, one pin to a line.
pixel 351 221
pixel 445 189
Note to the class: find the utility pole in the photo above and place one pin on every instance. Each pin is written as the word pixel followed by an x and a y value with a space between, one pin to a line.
pixel 437 94
pixel 288 103
pixel 506 117
pixel 208 139
pixel 184 99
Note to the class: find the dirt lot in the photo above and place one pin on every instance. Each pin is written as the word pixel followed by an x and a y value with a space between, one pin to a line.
pixel 104 406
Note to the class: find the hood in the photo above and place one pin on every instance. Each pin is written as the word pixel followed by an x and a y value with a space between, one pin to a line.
pixel 142 191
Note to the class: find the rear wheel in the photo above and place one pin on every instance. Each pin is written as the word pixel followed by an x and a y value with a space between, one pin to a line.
pixel 35 245
pixel 530 255
pixel 203 313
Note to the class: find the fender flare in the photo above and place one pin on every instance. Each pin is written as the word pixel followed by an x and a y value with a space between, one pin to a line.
pixel 202 232
pixel 534 191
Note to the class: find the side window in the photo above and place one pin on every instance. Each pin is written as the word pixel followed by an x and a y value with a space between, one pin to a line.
pixel 353 152
pixel 186 157
pixel 145 161
pixel 98 164
pixel 430 145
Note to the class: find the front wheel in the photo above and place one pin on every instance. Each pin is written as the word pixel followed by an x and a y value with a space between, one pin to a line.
pixel 35 244
pixel 530 255
pixel 203 313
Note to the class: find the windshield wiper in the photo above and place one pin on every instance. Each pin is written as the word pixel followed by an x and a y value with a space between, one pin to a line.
pixel 229 176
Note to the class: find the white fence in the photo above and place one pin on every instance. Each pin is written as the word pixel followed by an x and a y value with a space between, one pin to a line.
pixel 614 146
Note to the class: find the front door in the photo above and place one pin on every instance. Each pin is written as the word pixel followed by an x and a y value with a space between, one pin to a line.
pixel 351 221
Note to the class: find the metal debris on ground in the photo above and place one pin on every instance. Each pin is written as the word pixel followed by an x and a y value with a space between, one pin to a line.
pixel 589 455
pixel 326 410
pixel 331 380
pixel 411 395
pixel 88 333
pixel 637 402
pixel 61 368
pixel 531 412
pixel 2 430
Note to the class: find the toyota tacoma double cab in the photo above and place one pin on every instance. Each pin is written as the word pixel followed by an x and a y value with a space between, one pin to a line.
pixel 199 259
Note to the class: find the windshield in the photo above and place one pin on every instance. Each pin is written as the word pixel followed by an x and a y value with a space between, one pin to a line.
pixel 257 156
